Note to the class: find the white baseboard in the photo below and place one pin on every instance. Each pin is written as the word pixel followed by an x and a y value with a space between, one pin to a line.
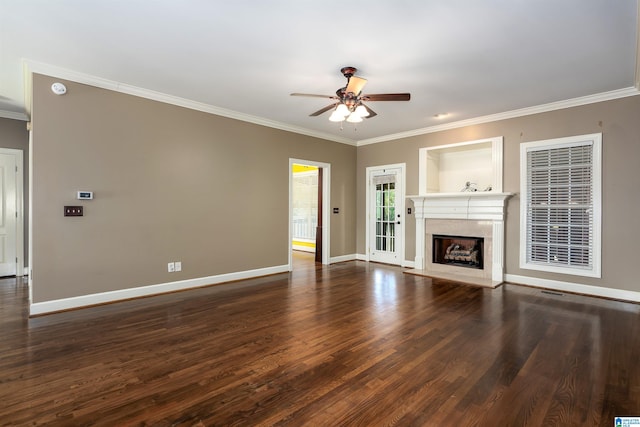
pixel 143 291
pixel 342 258
pixel 405 263
pixel 598 291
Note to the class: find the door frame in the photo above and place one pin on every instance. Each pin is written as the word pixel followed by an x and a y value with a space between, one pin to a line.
pixel 19 156
pixel 326 199
pixel 399 198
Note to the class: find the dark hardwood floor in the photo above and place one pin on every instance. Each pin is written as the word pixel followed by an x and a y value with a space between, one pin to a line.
pixel 350 344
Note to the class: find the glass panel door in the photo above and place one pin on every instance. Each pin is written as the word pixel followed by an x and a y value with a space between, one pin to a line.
pixel 385 216
pixel 385 220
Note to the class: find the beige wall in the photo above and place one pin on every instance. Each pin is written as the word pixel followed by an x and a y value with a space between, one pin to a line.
pixel 170 184
pixel 14 134
pixel 174 184
pixel 619 123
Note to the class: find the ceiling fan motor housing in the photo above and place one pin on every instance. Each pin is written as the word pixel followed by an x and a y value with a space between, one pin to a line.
pixel 348 98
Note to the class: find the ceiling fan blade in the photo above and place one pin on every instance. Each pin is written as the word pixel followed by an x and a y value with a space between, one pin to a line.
pixel 314 95
pixel 355 85
pixel 371 112
pixel 325 109
pixel 387 97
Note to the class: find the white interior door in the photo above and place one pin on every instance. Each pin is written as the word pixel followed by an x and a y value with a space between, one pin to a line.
pixel 8 215
pixel 386 215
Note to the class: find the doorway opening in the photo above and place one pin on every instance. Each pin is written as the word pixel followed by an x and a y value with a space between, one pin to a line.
pixel 309 184
pixel 304 197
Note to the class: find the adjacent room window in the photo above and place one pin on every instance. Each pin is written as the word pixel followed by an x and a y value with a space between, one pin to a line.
pixel 560 187
pixel 305 205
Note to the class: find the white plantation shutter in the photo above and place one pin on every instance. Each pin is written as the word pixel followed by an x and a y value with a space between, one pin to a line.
pixel 560 213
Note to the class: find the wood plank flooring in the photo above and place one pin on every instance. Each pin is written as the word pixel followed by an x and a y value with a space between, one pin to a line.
pixel 350 344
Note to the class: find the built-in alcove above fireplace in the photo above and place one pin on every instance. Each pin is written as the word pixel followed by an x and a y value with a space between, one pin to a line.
pixel 461 195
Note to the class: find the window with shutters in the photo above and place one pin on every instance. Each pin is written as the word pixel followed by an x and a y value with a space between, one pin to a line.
pixel 560 187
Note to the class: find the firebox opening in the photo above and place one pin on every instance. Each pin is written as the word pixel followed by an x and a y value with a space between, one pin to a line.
pixel 461 251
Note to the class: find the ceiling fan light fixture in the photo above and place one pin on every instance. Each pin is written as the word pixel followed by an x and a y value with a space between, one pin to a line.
pixel 336 117
pixel 343 110
pixel 354 118
pixel 361 111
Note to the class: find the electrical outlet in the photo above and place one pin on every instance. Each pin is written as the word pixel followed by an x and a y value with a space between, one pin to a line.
pixel 171 267
pixel 178 265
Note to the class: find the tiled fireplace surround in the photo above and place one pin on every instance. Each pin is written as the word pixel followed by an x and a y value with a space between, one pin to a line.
pixel 477 214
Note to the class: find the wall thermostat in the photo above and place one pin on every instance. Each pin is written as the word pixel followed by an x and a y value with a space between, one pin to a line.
pixel 85 195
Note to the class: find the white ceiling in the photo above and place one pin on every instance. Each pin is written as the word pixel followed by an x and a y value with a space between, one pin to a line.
pixel 468 58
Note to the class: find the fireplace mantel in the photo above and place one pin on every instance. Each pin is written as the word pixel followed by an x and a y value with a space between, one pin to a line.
pixel 462 206
pixel 478 205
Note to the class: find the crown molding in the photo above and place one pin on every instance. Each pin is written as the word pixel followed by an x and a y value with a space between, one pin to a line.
pixel 66 74
pixel 13 115
pixel 74 76
pixel 559 105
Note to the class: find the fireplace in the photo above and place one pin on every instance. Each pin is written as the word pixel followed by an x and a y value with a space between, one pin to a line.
pixel 461 251
pixel 480 215
pixel 442 209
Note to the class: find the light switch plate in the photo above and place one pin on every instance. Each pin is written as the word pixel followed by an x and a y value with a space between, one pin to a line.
pixel 73 211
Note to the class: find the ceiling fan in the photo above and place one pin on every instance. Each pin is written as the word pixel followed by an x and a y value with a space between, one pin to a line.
pixel 350 101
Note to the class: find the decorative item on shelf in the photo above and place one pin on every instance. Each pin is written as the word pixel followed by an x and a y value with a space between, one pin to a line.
pixel 489 188
pixel 470 187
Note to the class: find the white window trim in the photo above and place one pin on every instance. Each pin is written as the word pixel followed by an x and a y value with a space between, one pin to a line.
pixel 596 140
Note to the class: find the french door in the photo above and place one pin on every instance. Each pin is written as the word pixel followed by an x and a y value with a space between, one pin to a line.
pixel 385 214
